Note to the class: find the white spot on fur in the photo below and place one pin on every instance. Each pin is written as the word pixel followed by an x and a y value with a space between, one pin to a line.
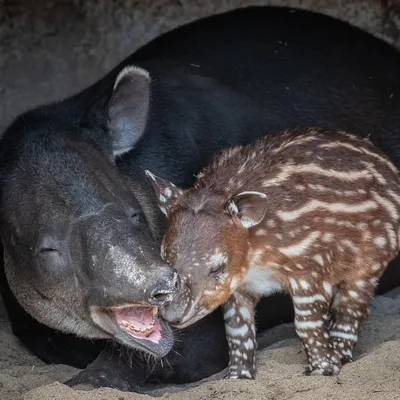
pixel 304 284
pixel 349 244
pixel 301 334
pixel 293 284
pixel 318 258
pixel 327 237
pixel 308 299
pixel 218 259
pixel 230 313
pixel 308 324
pixel 391 235
pixel 249 344
pixel 380 241
pixel 387 205
pixel 344 335
pixel 242 331
pixel 234 283
pixel 164 210
pixel 245 313
pixel 302 313
pixel 168 192
pixel 376 267
pixel 332 207
pixel 301 246
pixel 327 288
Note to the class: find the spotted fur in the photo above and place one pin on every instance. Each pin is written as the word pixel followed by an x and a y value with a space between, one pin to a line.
pixel 313 213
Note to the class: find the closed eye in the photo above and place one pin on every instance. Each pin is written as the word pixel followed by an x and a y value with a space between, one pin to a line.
pixel 216 269
pixel 47 250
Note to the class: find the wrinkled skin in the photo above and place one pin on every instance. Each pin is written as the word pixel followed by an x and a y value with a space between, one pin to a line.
pixel 73 183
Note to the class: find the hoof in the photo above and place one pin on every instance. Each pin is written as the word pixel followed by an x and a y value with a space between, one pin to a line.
pixel 325 368
pixel 90 379
pixel 346 360
pixel 240 374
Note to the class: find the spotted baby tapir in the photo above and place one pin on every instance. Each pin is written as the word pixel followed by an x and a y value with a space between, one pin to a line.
pixel 314 213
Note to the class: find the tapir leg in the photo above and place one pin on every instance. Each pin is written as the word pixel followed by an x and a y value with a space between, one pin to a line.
pixel 119 368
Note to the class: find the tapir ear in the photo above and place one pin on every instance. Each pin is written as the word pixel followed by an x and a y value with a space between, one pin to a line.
pixel 128 108
pixel 166 192
pixel 249 207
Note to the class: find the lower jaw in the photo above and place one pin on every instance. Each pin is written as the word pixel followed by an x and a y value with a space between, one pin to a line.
pixel 157 340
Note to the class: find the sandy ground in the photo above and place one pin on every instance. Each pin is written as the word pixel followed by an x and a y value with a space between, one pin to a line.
pixel 375 374
pixel 50 49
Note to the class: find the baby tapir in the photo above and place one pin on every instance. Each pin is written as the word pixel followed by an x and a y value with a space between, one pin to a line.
pixel 314 213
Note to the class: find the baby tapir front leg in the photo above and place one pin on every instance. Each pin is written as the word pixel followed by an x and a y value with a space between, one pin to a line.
pixel 312 300
pixel 241 336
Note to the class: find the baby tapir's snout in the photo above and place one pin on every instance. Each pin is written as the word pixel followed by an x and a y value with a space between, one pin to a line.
pixel 174 311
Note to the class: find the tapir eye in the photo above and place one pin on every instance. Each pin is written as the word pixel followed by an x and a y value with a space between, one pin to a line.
pixel 216 269
pixel 48 252
pixel 44 250
pixel 136 217
pixel 47 246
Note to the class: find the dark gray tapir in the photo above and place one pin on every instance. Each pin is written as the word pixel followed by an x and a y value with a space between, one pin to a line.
pixel 79 224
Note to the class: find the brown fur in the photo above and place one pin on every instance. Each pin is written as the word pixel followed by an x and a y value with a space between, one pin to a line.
pixel 315 213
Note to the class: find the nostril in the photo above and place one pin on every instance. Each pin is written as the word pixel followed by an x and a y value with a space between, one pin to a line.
pixel 159 296
pixel 177 282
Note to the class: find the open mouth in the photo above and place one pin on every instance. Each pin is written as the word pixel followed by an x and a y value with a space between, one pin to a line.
pixel 139 322
pixel 136 326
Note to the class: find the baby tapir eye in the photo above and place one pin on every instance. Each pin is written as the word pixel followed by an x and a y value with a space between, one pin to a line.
pixel 216 269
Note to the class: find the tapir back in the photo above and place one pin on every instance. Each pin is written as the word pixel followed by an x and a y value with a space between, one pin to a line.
pixel 315 181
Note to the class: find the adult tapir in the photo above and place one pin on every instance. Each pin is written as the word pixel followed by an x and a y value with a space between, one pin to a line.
pixel 79 224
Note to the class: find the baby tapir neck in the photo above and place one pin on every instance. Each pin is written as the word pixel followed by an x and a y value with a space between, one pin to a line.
pixel 315 213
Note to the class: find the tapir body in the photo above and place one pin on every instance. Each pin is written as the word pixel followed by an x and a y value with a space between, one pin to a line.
pixel 313 213
pixel 215 83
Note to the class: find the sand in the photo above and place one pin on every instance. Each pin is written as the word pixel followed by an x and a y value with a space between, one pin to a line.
pixel 57 48
pixel 375 373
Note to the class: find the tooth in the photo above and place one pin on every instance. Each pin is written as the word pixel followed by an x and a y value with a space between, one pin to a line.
pixel 126 324
pixel 154 311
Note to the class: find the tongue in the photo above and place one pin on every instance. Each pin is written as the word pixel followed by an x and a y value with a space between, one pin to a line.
pixel 139 322
pixel 139 317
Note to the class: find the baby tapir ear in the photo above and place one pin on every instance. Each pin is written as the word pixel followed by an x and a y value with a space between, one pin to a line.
pixel 249 207
pixel 166 192
pixel 128 108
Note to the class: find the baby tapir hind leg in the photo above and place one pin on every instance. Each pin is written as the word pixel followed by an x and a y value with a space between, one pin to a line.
pixel 312 300
pixel 241 336
pixel 349 312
